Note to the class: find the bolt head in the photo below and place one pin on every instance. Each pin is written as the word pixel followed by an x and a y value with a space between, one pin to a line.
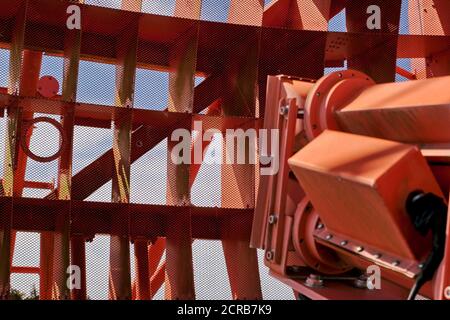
pixel 329 237
pixel 319 226
pixel 344 243
pixel 272 219
pixel 284 110
pixel 359 249
pixel 447 293
pixel 378 256
pixel 269 255
pixel 396 263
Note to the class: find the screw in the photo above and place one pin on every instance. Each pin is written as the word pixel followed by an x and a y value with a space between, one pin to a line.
pixel 344 243
pixel 319 226
pixel 329 237
pixel 378 256
pixel 318 94
pixel 396 263
pixel 421 265
pixel 296 269
pixel 272 219
pixel 359 249
pixel 340 75
pixel 284 110
pixel 447 293
pixel 314 281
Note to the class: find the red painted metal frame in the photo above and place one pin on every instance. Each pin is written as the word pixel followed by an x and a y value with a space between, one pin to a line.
pixel 288 36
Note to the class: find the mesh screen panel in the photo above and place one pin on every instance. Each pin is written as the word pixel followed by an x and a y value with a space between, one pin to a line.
pixel 127 81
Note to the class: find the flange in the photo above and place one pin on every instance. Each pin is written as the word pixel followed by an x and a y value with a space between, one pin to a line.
pixel 316 256
pixel 331 93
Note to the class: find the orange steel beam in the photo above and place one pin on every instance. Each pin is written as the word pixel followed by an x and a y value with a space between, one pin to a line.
pixel 78 257
pixel 157 279
pixel 55 246
pixel 25 270
pixel 298 14
pixel 158 55
pixel 429 17
pixel 397 111
pixel 31 65
pixel 379 62
pixel 187 9
pixel 39 185
pixel 238 182
pixel 142 282
pixel 247 12
pixel 23 76
pixel 120 276
pixel 179 268
pixel 155 253
pixel 405 73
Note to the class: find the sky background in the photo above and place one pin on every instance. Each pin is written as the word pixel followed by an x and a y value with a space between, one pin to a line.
pixel 148 182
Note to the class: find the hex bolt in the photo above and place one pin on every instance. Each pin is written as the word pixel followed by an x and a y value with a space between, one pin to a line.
pixel 314 281
pixel 273 219
pixel 284 110
pixel 447 293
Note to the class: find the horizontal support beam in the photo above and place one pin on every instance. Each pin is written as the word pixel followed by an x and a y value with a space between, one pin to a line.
pixel 158 34
pixel 90 218
pixel 25 270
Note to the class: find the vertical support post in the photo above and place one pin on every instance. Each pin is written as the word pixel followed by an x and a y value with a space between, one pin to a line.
pixel 142 283
pixel 248 12
pixel 241 260
pixel 78 253
pixel 298 14
pixel 135 5
pixel 381 60
pixel 238 179
pixel 14 116
pixel 430 17
pixel 55 246
pixel 120 277
pixel 179 271
pixel 183 55
pixel 155 253
pixel 189 9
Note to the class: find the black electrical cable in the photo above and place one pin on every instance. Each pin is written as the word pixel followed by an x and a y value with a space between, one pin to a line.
pixel 428 213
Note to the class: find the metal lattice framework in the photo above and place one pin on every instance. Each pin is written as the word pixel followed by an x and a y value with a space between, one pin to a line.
pixel 285 37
